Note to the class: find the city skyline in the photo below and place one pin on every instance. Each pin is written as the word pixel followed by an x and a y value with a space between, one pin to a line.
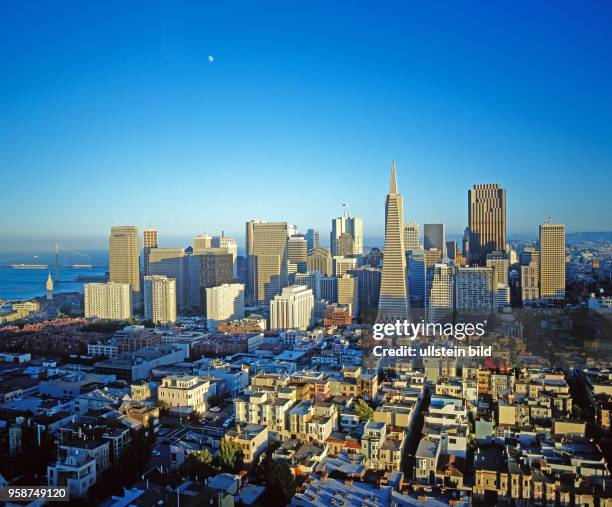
pixel 147 111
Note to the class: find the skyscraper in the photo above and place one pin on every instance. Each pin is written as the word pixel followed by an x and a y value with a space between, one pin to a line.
pixel 216 268
pixel 475 290
pixel 231 246
pixel 350 225
pixel 312 238
pixel 552 261
pixel 368 290
pixel 202 242
pixel 172 263
pixel 160 299
pixel 266 260
pixel 124 258
pixel 439 293
pixel 393 301
pixel 320 259
pixel 434 237
pixel 347 293
pixel 224 302
pixel 412 240
pixel 417 269
pixel 292 309
pixel 530 283
pixel 486 221
pixel 110 300
pixel 149 240
pixel 500 263
pixel 297 251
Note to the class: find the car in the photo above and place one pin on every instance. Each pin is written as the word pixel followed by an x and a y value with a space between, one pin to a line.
pixel 228 422
pixel 215 409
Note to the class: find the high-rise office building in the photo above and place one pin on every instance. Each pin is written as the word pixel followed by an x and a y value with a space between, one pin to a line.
pixel 353 226
pixel 320 259
pixel 297 252
pixel 368 288
pixel 312 238
pixel 160 299
pixel 486 221
pixel 216 268
pixel 202 242
pixel 452 250
pixel 112 300
pixel 224 302
pixel 530 282
pixel 417 269
pixel 173 263
pixel 312 280
pixel 475 290
pixel 500 263
pixel 293 308
pixel 329 289
pixel 348 293
pixel 393 301
pixel 434 237
pixel 124 258
pixel 345 245
pixel 412 236
pixel 343 264
pixel 149 241
pixel 266 260
pixel 528 255
pixel 552 261
pixel 439 293
pixel 231 246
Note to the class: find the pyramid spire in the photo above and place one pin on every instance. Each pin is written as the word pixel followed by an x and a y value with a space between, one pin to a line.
pixel 393 183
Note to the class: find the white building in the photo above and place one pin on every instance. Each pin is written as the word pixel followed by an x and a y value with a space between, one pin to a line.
pixel 439 293
pixel 292 309
pixel 110 300
pixel 412 239
pixel 224 302
pixel 184 393
pixel 160 299
pixel 350 225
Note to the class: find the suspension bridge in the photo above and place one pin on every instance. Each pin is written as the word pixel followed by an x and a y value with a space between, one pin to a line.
pixel 53 258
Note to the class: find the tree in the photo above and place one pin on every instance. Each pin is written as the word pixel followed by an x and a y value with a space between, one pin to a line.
pixel 279 481
pixel 198 464
pixel 231 457
pixel 363 410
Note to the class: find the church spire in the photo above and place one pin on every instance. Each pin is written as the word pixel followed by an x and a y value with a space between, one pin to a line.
pixel 393 183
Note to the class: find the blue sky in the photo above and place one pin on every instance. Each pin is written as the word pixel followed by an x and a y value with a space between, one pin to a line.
pixel 111 113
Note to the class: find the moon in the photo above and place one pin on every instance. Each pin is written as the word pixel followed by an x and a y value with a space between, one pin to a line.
pixel 210 59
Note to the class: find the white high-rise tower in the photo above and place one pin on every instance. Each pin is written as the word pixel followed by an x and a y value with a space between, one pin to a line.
pixel 393 302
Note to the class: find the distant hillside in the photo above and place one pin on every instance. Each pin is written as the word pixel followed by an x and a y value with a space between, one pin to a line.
pixel 576 237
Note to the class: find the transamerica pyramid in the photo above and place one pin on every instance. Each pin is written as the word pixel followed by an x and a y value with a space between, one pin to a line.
pixel 393 302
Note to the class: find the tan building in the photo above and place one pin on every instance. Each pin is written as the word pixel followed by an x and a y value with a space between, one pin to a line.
pixel 110 300
pixel 347 294
pixel 124 257
pixel 252 439
pixel 186 393
pixel 486 221
pixel 266 260
pixel 552 261
pixel 530 282
pixel 160 299
pixel 149 241
pixel 320 259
